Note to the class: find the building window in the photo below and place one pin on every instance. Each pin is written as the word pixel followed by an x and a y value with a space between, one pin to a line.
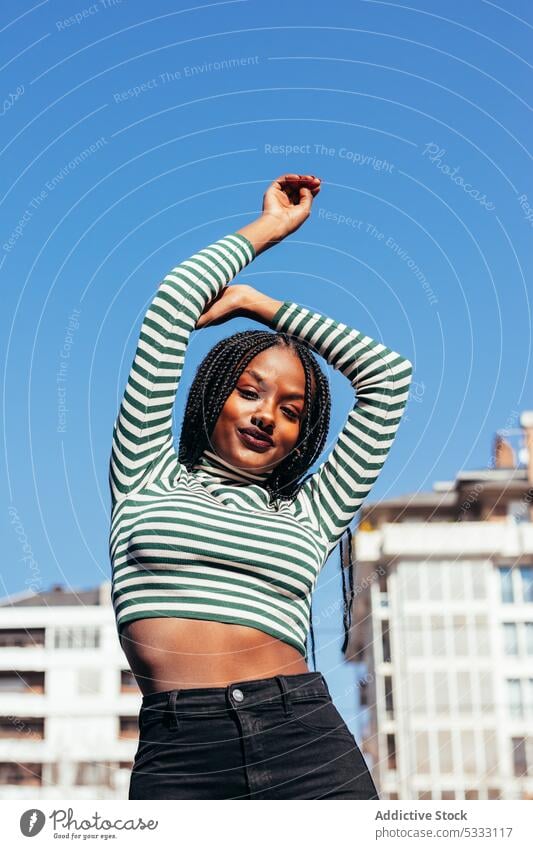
pixel 22 727
pixel 422 751
pixel 425 794
pixel 506 584
pixel 510 638
pixel 97 773
pixel 479 584
pixel 435 582
pixel 486 689
pixel 529 637
pixel 464 691
pixel 414 636
pixel 21 681
pixel 410 580
pixel 382 588
pixel 389 702
pixel 417 692
pixel 385 640
pixel 482 635
pixel 514 697
pixel 444 745
pixel 128 727
pixel 15 773
pixel 493 793
pixel 128 682
pixel 469 751
pixel 447 794
pixel 460 635
pixel 518 747
pixel 441 690
pixel 526 581
pixel 87 637
pixel 471 794
pixel 391 751
pixel 458 582
pixel 21 637
pixel 438 635
pixel 490 748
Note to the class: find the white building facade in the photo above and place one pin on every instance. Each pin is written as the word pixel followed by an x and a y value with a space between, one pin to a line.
pixel 443 620
pixel 68 702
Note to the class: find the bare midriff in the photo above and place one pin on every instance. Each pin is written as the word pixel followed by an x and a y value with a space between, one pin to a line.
pixel 167 654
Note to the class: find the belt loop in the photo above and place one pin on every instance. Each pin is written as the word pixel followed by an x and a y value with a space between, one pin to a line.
pixel 285 695
pixel 172 718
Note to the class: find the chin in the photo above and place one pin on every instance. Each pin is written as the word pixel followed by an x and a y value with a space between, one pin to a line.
pixel 253 460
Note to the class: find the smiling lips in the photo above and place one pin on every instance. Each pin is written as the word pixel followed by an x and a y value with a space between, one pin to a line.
pixel 255 438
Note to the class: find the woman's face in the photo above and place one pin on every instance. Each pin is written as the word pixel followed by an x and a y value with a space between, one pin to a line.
pixel 268 399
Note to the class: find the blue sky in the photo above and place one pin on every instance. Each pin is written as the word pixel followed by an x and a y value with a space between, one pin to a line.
pixel 134 135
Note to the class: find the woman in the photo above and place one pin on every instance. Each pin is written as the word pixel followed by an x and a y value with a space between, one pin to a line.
pixel 216 549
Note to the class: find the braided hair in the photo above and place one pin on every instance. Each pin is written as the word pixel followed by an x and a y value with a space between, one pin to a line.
pixel 215 379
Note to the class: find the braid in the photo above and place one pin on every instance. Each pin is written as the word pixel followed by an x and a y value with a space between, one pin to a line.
pixel 312 635
pixel 347 592
pixel 216 378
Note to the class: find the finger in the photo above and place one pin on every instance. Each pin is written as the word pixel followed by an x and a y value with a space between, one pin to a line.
pixel 305 197
pixel 284 178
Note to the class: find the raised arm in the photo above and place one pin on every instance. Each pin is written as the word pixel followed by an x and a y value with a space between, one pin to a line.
pixel 142 434
pixel 381 378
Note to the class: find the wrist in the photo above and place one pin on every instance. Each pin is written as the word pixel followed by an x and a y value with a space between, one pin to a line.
pixel 261 307
pixel 263 233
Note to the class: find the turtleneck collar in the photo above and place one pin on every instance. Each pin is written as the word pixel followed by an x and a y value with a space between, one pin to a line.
pixel 211 463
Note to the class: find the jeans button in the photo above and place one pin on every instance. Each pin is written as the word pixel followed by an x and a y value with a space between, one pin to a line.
pixel 238 695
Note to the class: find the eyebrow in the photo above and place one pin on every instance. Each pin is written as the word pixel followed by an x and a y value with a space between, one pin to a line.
pixel 260 379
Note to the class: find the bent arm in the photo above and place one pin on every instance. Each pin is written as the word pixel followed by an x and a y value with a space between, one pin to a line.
pixel 381 378
pixel 142 434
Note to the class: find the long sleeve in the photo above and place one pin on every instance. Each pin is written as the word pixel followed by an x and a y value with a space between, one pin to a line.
pixel 142 434
pixel 381 378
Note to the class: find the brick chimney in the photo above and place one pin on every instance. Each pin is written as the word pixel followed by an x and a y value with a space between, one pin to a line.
pixel 503 454
pixel 526 423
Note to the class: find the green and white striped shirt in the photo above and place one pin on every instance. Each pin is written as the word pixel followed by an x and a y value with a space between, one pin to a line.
pixel 206 544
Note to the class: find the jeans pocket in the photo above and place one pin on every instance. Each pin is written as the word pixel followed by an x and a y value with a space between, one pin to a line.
pixel 319 714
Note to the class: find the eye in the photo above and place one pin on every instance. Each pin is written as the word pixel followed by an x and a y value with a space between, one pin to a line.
pixel 247 393
pixel 291 413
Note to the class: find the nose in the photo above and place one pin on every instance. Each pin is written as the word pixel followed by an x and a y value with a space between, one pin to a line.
pixel 264 419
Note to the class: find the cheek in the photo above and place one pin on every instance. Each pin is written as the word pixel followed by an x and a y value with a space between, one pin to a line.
pixel 230 411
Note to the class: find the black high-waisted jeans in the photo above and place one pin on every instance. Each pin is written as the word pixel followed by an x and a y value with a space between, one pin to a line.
pixel 269 738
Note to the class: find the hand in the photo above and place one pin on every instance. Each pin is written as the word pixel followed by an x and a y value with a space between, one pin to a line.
pixel 287 201
pixel 231 302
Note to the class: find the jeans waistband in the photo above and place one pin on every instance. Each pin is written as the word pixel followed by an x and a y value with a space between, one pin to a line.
pixel 247 693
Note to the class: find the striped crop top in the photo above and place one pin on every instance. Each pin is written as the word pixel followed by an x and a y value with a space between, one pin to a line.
pixel 206 544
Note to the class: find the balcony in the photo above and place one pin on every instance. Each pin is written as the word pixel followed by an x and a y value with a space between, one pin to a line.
pixel 22 637
pixel 22 681
pixel 422 539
